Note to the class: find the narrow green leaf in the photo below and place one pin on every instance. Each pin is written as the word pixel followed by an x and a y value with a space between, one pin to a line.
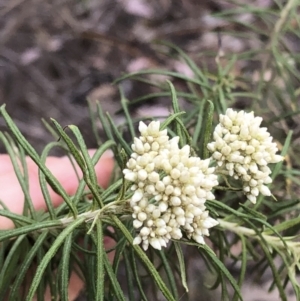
pixel 124 103
pixel 43 182
pixel 162 286
pixel 16 218
pixel 129 275
pixel 285 225
pixel 40 293
pixel 221 100
pixel 104 122
pixel 283 116
pixel 197 130
pixel 53 182
pixel 84 151
pixel 182 268
pixel 83 250
pixel 72 147
pixel 290 266
pixel 93 121
pixel 65 266
pixel 224 289
pixel 122 242
pixel 26 265
pixel 88 171
pixel 23 160
pixel 89 265
pixel 253 213
pixel 17 134
pixel 284 151
pixel 121 140
pixel 243 267
pixel 51 283
pixel 113 279
pixel 276 276
pixel 50 129
pixel 20 174
pixel 137 276
pixel 6 234
pixel 3 252
pixel 170 119
pixel 176 109
pixel 196 70
pixel 208 129
pixel 113 187
pixel 49 255
pixel 220 265
pixel 11 259
pixel 100 273
pixel 79 193
pixel 101 150
pixel 170 274
pixel 95 159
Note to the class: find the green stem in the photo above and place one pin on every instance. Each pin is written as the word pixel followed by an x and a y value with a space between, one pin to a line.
pixel 273 241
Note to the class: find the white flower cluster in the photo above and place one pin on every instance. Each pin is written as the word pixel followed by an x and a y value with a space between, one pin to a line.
pixel 245 149
pixel 170 189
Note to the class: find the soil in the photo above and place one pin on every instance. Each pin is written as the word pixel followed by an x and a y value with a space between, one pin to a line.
pixel 55 54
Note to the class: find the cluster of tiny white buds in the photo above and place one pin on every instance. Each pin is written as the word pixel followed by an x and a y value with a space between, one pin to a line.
pixel 245 149
pixel 170 189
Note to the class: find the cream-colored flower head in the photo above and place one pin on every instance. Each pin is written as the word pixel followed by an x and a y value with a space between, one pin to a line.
pixel 245 149
pixel 170 189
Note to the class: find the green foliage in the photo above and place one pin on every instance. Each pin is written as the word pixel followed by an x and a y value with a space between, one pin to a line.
pixel 50 245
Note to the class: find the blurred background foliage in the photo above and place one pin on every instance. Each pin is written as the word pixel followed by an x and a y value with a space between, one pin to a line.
pixel 56 54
